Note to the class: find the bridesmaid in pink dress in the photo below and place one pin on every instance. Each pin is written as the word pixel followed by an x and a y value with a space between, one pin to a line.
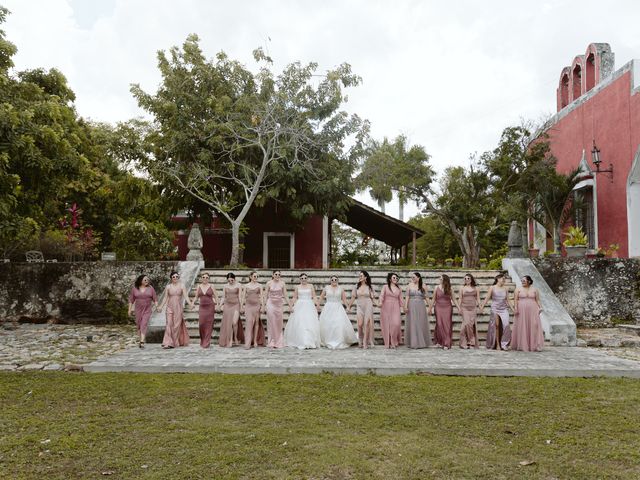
pixel 208 299
pixel 231 332
pixel 364 297
pixel 253 305
pixel 175 332
pixel 140 299
pixel 391 308
pixel 468 303
pixel 442 303
pixel 499 330
pixel 527 334
pixel 276 292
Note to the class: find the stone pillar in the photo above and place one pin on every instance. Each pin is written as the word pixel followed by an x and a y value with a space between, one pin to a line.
pixel 194 244
pixel 515 241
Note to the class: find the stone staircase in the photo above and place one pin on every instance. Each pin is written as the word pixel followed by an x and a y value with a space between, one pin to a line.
pixel 348 279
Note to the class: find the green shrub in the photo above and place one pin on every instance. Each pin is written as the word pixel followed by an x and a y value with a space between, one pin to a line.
pixel 142 240
pixel 575 238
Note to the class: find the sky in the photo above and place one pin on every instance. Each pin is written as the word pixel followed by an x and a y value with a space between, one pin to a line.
pixel 450 75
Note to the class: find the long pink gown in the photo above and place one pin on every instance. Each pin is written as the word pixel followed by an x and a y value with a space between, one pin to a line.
pixel 364 310
pixel 469 328
pixel 390 319
pixel 251 316
pixel 499 310
pixel 175 332
pixel 275 303
pixel 444 318
pixel 206 314
pixel 527 334
pixel 143 300
pixel 231 306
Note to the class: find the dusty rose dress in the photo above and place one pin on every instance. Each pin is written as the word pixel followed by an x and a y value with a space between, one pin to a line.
pixel 390 319
pixel 175 332
pixel 206 313
pixel 469 328
pixel 499 309
pixel 252 315
pixel 417 331
pixel 364 310
pixel 444 319
pixel 143 302
pixel 527 332
pixel 274 317
pixel 231 306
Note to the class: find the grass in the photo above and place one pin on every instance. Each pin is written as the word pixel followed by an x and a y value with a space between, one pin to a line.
pixel 63 425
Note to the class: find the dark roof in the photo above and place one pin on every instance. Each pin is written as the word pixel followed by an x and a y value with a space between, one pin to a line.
pixel 375 224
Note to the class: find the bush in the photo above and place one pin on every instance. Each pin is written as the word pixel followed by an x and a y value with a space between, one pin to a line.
pixel 142 240
pixel 18 235
pixel 495 261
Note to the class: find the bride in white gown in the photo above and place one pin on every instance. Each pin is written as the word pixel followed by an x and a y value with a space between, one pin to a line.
pixel 336 330
pixel 303 330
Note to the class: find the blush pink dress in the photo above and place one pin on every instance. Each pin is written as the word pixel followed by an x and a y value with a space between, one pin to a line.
pixel 275 304
pixel 527 334
pixel 469 328
pixel 444 318
pixel 390 319
pixel 206 313
pixel 251 316
pixel 175 332
pixel 143 302
pixel 229 310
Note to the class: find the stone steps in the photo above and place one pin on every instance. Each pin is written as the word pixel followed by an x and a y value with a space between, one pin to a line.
pixel 348 279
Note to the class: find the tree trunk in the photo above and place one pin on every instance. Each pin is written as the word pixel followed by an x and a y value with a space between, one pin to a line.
pixel 235 244
pixel 471 251
pixel 401 211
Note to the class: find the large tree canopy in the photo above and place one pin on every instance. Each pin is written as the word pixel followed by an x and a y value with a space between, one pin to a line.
pixel 232 138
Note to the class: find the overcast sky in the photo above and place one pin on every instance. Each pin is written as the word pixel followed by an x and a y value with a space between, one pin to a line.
pixel 450 75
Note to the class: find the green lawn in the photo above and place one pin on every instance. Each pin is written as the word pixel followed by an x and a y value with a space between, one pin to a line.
pixel 65 425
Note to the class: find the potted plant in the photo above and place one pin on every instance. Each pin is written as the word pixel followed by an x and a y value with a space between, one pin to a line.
pixel 612 250
pixel 576 242
pixel 448 262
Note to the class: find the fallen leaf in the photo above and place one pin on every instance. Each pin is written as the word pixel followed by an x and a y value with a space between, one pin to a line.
pixel 548 442
pixel 144 466
pixel 284 444
pixel 43 442
pixel 525 463
pixel 108 472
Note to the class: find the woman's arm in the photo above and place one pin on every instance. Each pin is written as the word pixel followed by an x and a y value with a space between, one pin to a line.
pixel 344 298
pixel 516 297
pixel 406 298
pixel 314 297
pixel 354 295
pixel 486 298
pixel 165 297
pixel 186 296
pixel 537 293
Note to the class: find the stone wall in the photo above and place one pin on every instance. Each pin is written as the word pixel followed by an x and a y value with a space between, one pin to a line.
pixel 596 292
pixel 74 292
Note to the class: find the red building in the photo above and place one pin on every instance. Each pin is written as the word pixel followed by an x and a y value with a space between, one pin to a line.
pixel 272 240
pixel 598 118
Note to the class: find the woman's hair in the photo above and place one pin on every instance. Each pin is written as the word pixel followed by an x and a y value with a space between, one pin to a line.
pixel 231 275
pixel 139 280
pixel 367 280
pixel 273 274
pixel 498 277
pixel 420 285
pixel 332 277
pixel 473 280
pixel 528 279
pixel 389 275
pixel 173 273
pixel 252 273
pixel 303 275
pixel 446 284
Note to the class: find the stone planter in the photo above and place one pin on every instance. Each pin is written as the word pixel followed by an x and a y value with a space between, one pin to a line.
pixel 578 251
pixel 534 252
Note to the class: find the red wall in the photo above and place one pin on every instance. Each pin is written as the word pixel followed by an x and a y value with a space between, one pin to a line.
pixel 612 118
pixel 217 247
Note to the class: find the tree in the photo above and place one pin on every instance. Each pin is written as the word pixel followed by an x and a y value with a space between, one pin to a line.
pixel 387 169
pixel 438 242
pixel 231 138
pixel 350 247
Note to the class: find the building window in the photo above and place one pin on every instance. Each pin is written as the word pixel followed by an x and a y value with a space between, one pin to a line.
pixel 564 91
pixel 584 214
pixel 577 82
pixel 591 71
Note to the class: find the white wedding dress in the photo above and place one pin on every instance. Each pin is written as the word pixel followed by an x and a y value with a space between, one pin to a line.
pixel 303 330
pixel 336 330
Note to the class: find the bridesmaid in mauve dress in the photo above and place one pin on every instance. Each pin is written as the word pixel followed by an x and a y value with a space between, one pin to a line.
pixel 417 331
pixel 231 332
pixel 468 302
pixel 527 335
pixel 499 331
pixel 206 295
pixel 276 294
pixel 364 296
pixel 391 309
pixel 253 329
pixel 442 303
pixel 175 332
pixel 140 299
